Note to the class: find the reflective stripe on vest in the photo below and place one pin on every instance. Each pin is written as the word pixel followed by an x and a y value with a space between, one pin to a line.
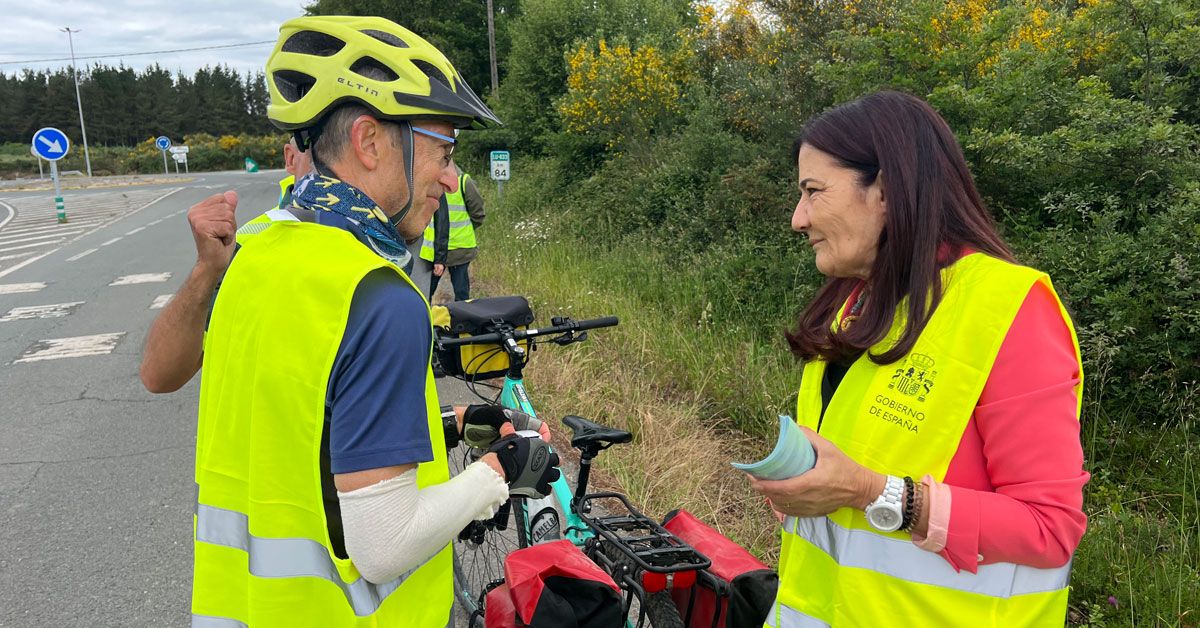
pixel 288 558
pixel 907 419
pixel 260 223
pixel 785 617
pixel 899 558
pixel 263 556
pixel 206 621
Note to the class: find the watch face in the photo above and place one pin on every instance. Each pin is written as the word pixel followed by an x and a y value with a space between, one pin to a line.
pixel 885 519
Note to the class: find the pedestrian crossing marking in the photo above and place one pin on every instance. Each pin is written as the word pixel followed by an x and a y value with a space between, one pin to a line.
pixel 57 310
pixel 16 288
pixel 75 258
pixel 129 280
pixel 16 255
pixel 161 301
pixel 78 346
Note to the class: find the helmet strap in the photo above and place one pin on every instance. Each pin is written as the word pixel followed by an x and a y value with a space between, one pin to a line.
pixel 407 138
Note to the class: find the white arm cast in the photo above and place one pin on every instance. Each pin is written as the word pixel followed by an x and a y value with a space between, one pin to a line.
pixel 393 527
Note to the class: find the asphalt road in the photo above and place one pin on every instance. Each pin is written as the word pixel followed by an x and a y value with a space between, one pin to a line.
pixel 96 474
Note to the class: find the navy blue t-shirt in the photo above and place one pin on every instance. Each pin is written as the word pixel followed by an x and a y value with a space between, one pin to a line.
pixel 375 403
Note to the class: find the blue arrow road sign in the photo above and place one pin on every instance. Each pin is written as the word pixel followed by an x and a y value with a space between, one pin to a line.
pixel 162 142
pixel 51 144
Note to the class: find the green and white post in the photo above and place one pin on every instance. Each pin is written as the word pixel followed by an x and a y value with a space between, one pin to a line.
pixel 58 199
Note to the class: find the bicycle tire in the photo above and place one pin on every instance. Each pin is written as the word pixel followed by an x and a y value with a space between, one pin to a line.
pixel 661 610
pixel 479 559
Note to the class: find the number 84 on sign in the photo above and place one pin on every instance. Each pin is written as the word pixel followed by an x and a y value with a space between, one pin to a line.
pixel 499 165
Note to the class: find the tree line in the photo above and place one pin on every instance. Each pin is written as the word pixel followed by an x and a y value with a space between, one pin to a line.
pixel 122 106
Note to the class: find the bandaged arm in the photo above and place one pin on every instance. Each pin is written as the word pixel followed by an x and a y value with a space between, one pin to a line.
pixel 391 527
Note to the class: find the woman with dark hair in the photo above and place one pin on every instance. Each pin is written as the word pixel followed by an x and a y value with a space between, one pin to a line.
pixel 941 392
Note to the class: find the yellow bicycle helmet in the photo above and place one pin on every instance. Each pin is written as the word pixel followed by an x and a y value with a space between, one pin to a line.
pixel 321 62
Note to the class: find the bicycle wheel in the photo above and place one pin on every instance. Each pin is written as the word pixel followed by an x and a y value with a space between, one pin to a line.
pixel 479 551
pixel 661 610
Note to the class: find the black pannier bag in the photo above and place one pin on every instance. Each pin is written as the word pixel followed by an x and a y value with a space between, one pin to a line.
pixel 471 318
pixel 737 591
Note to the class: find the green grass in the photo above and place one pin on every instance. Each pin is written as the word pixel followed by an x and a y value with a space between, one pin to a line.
pixel 703 393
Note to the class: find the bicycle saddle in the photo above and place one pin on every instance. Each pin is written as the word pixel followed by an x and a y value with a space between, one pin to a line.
pixel 585 433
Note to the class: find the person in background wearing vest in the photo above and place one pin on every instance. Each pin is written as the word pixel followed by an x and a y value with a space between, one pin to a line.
pixel 323 496
pixel 449 242
pixel 941 392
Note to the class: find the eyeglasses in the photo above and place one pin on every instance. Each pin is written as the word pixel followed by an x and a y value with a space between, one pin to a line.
pixel 438 136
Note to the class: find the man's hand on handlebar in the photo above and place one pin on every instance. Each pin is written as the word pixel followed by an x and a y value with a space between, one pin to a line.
pixel 483 424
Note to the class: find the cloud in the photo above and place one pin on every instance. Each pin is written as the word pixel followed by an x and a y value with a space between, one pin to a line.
pixel 31 31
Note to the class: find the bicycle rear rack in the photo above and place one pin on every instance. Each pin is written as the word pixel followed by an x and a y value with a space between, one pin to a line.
pixel 636 550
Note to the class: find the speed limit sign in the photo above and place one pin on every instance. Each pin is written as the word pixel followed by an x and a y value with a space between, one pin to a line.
pixel 500 165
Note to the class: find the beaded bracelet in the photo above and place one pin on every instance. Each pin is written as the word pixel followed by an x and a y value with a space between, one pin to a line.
pixel 907 521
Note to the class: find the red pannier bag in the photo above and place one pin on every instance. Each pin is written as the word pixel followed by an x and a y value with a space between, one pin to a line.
pixel 553 585
pixel 737 591
pixel 498 609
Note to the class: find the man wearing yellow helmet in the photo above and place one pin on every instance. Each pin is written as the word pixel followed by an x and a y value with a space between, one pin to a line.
pixel 323 496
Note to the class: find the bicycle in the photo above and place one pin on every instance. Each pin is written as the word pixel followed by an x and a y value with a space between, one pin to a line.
pixel 643 558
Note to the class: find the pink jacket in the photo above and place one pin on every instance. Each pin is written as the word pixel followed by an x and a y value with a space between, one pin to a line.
pixel 1014 489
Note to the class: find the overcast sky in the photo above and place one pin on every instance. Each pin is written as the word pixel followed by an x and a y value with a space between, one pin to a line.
pixel 30 30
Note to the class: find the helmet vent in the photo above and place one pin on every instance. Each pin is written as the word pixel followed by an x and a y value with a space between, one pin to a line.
pixel 374 69
pixel 292 85
pixel 432 72
pixel 386 38
pixel 313 43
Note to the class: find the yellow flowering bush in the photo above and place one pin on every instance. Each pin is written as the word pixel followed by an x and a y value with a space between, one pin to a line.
pixel 619 92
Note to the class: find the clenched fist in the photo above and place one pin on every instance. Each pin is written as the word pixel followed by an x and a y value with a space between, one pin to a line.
pixel 213 227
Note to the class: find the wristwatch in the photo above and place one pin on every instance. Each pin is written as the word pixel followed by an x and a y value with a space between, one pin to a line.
pixel 886 513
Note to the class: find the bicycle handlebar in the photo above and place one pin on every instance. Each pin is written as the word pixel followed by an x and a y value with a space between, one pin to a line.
pixel 522 334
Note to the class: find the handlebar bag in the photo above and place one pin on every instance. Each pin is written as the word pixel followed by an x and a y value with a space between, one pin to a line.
pixel 474 317
pixel 553 585
pixel 737 590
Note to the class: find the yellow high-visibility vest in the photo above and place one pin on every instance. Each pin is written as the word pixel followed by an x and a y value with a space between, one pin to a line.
pixel 462 231
pixel 263 556
pixel 907 419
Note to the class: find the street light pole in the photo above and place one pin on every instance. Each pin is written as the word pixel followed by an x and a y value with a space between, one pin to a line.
pixel 87 158
pixel 492 48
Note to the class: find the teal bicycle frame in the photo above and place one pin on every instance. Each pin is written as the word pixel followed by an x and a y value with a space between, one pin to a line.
pixel 513 395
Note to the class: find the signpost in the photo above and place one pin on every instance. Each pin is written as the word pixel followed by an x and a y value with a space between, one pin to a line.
pixel 51 144
pixel 179 154
pixel 41 173
pixel 163 143
pixel 499 170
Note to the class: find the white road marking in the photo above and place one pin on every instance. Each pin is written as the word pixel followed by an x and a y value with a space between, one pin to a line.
pixel 12 269
pixel 135 231
pixel 156 222
pixel 99 210
pixel 30 246
pixel 12 213
pixel 16 256
pixel 75 258
pixel 25 237
pixel 57 310
pixel 56 348
pixel 14 288
pixel 161 301
pixel 116 239
pixel 129 280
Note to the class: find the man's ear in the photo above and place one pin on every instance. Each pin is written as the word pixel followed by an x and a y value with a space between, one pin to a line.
pixel 366 134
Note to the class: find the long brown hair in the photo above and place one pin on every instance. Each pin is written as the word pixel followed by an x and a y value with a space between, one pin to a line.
pixel 932 207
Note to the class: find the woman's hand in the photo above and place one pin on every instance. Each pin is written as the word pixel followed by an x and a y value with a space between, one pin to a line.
pixel 835 482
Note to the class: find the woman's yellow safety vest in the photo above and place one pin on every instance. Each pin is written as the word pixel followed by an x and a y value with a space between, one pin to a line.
pixel 907 419
pixel 262 551
pixel 462 231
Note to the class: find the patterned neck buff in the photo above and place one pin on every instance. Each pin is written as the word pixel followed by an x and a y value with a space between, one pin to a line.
pixel 321 193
